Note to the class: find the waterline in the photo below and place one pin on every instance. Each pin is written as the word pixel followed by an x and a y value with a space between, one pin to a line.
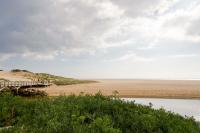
pixel 184 107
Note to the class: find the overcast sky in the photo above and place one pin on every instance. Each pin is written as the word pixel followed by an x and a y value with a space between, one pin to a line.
pixel 102 38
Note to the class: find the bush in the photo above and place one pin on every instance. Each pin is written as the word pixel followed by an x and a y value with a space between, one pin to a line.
pixel 26 71
pixel 16 70
pixel 19 70
pixel 87 114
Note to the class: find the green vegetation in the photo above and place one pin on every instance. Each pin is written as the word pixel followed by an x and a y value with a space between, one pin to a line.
pixel 87 114
pixel 19 70
pixel 58 80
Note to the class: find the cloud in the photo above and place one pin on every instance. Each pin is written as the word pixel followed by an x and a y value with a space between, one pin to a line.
pixel 132 57
pixel 193 28
pixel 44 30
pixel 35 56
pixel 32 27
pixel 138 8
pixel 4 57
pixel 183 23
pixel 184 56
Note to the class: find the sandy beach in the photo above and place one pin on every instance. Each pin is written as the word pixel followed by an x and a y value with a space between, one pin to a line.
pixel 185 89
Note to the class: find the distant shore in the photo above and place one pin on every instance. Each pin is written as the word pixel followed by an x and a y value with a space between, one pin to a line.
pixel 176 89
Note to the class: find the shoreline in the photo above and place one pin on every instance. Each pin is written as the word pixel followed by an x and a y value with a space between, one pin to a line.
pixel 161 97
pixel 135 96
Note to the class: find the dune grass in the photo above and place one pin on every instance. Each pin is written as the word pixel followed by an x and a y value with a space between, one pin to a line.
pixel 87 114
pixel 19 70
pixel 58 80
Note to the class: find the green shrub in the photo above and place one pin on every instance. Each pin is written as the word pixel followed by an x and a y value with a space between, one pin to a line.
pixel 19 70
pixel 59 80
pixel 16 70
pixel 87 114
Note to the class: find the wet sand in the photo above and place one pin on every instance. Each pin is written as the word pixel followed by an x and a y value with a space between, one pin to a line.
pixel 185 89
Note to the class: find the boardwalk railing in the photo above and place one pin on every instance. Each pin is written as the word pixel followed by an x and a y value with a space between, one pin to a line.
pixel 5 84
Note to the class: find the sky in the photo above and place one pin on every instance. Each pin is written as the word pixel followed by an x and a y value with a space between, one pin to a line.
pixel 143 39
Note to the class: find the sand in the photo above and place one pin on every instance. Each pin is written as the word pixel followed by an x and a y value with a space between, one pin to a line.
pixel 19 76
pixel 185 89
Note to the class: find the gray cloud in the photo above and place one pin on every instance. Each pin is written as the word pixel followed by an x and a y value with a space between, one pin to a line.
pixel 135 8
pixel 194 28
pixel 47 28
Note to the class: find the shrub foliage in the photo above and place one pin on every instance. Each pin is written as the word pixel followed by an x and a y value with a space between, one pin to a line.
pixel 87 114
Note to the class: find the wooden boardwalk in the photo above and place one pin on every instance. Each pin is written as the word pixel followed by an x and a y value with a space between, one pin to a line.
pixel 23 84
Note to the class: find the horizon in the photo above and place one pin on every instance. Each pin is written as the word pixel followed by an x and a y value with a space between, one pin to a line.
pixel 107 39
pixel 170 79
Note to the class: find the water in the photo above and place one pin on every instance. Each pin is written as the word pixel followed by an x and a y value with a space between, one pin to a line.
pixel 183 107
